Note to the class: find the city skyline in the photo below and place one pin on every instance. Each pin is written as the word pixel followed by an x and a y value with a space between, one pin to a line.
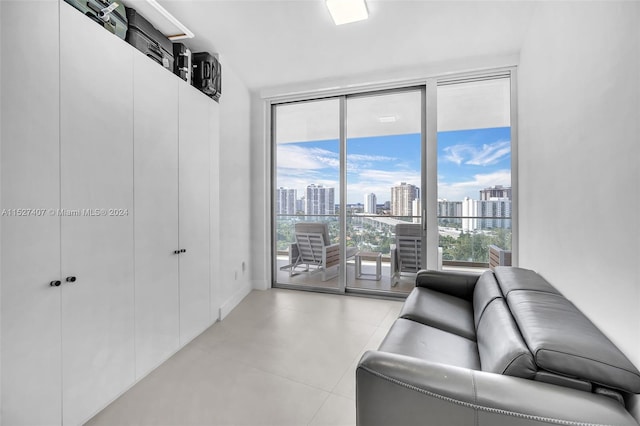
pixel 468 161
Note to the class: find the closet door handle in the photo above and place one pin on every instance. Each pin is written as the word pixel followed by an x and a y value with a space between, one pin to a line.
pixel 183 251
pixel 55 283
pixel 70 279
pixel 176 252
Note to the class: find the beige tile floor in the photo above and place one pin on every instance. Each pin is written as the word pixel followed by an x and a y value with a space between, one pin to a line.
pixel 282 357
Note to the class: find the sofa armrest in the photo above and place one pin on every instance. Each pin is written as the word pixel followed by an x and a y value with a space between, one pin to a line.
pixel 459 284
pixel 396 389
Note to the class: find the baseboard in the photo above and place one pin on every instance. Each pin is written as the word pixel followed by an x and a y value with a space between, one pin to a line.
pixel 235 300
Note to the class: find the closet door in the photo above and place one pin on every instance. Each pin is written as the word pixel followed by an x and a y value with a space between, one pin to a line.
pixel 30 244
pixel 156 213
pixel 96 128
pixel 194 212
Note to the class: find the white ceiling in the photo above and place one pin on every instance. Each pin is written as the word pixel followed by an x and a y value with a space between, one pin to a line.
pixel 272 43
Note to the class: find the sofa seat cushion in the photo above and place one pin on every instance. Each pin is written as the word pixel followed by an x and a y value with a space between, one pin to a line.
pixel 410 338
pixel 439 310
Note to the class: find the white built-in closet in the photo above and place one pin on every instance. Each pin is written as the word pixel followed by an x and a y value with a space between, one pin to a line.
pixel 109 274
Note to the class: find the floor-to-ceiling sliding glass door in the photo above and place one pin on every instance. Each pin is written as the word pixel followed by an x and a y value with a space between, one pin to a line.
pixel 306 191
pixel 369 149
pixel 370 187
pixel 384 206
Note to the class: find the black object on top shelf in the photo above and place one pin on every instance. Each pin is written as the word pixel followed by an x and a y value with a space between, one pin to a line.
pixel 146 38
pixel 182 61
pixel 207 74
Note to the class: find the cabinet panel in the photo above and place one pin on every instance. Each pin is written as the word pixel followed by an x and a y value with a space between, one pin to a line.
pixel 156 213
pixel 194 121
pixel 30 309
pixel 96 128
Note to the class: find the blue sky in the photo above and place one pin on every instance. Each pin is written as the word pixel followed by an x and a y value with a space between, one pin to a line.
pixel 468 160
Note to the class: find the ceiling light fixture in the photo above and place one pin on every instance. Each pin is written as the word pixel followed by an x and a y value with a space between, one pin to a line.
pixel 164 21
pixel 347 11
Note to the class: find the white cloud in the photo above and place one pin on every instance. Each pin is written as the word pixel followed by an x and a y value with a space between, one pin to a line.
pixel 297 157
pixel 369 158
pixel 485 155
pixel 458 190
pixel 379 182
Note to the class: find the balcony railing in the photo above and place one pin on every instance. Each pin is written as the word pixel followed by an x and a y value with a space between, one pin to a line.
pixel 465 241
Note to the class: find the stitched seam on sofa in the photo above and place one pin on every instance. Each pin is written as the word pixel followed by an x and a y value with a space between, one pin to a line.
pixel 475 399
pixel 484 309
pixel 476 406
pixel 586 358
pixel 533 290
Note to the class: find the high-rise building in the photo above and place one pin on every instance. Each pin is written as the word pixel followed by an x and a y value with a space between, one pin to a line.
pixel 497 191
pixel 469 212
pixel 286 201
pixel 415 211
pixel 449 208
pixel 486 214
pixel 402 197
pixel 319 200
pixel 496 213
pixel 370 203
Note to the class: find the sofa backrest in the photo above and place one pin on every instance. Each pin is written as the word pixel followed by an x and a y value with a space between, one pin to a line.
pixel 485 291
pixel 560 337
pixel 500 345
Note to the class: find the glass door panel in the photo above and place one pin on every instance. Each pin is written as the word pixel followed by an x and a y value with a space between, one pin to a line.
pixel 384 148
pixel 306 193
pixel 474 171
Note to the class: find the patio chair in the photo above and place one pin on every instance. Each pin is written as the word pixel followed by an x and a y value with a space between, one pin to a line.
pixel 499 257
pixel 406 253
pixel 313 251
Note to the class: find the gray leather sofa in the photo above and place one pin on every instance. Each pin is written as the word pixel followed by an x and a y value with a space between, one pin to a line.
pixel 503 348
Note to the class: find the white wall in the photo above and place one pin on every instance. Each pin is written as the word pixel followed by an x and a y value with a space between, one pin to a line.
pixel 232 282
pixel 579 159
pixel 260 196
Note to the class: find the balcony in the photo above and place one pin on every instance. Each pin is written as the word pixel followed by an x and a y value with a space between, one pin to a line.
pixel 465 245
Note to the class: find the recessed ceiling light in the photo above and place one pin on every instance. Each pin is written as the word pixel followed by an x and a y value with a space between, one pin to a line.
pixel 347 11
pixel 387 119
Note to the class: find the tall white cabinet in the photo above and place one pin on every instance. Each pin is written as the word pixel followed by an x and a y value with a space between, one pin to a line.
pixel 30 167
pixel 111 273
pixel 96 172
pixel 194 212
pixel 156 214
